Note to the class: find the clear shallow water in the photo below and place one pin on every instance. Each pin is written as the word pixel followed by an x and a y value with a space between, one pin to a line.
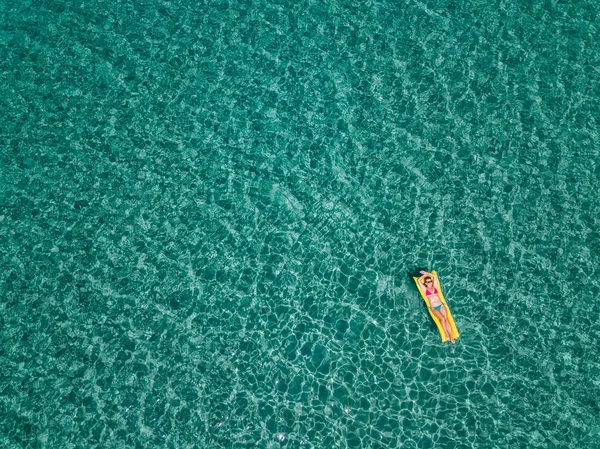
pixel 209 212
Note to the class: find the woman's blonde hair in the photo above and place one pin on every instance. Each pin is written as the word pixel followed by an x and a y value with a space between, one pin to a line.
pixel 426 278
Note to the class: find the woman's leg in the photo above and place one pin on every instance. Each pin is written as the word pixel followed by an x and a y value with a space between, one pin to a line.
pixel 442 314
pixel 442 319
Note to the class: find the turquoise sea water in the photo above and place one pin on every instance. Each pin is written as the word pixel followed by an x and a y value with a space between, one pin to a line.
pixel 209 212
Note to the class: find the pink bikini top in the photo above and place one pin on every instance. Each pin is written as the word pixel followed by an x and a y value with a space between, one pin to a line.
pixel 428 293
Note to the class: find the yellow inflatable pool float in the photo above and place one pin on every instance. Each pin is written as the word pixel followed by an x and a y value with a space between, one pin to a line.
pixel 437 321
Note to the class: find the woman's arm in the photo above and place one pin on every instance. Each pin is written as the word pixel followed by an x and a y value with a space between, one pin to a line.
pixel 425 273
pixel 436 282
